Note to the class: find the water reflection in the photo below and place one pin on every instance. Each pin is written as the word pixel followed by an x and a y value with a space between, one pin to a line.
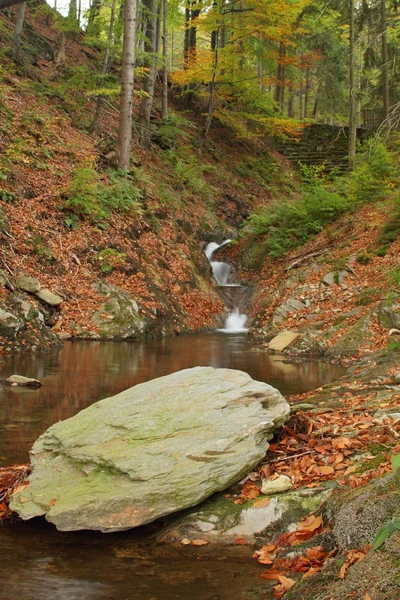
pixel 39 563
pixel 84 372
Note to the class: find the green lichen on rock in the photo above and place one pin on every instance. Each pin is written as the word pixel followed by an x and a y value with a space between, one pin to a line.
pixel 154 449
pixel 119 316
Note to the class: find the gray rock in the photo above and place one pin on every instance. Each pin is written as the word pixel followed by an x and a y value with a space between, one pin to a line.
pixel 28 284
pixel 335 277
pixel 48 297
pixel 10 323
pixel 119 316
pixel 24 381
pixel 22 326
pixel 389 313
pixel 220 521
pixel 154 449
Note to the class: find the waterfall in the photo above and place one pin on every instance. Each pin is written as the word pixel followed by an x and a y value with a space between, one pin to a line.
pixel 236 321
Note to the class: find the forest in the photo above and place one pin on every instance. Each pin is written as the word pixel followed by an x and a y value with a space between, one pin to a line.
pixel 199 299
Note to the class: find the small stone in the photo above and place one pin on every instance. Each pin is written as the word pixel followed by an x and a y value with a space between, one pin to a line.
pixel 21 380
pixel 48 297
pixel 275 486
pixel 283 340
pixel 28 284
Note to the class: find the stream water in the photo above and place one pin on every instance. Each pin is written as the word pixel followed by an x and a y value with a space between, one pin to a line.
pixel 39 563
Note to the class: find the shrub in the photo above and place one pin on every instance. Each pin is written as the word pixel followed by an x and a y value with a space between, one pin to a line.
pixel 88 197
pixel 290 224
pixel 391 230
pixel 367 181
pixel 109 259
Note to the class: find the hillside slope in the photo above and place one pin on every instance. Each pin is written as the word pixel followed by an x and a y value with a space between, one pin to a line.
pixel 126 259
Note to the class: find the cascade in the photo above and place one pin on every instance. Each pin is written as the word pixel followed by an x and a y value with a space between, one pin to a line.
pixel 236 321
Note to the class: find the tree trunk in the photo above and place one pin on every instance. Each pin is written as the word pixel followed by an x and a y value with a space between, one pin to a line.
pixel 128 64
pixel 60 58
pixel 385 61
pixel 307 93
pixel 352 90
pixel 7 3
pixel 93 13
pixel 164 107
pixel 150 46
pixel 280 78
pixel 19 23
pixel 290 108
pixel 106 66
pixel 301 114
pixel 72 12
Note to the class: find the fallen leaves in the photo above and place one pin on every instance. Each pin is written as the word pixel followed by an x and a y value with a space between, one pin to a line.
pixel 352 556
pixel 11 479
pixel 187 542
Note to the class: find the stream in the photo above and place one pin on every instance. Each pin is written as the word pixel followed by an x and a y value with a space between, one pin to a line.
pixel 39 563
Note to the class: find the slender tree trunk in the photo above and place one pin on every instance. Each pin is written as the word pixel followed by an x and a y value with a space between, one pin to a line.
pixel 385 61
pixel 60 58
pixel 306 93
pixel 128 65
pixel 352 90
pixel 280 78
pixel 151 64
pixel 79 11
pixel 164 107
pixel 106 66
pixel 290 108
pixel 171 56
pixel 301 114
pixel 19 23
pixel 72 11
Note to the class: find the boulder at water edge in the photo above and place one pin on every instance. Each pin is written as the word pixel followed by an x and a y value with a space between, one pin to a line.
pixel 152 450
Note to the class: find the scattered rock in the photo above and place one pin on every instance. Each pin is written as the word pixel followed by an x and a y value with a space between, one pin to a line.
pixel 219 520
pixel 283 340
pixel 48 297
pixel 28 284
pixel 154 449
pixel 10 324
pixel 22 326
pixel 335 277
pixel 276 486
pixel 119 316
pixel 389 313
pixel 24 381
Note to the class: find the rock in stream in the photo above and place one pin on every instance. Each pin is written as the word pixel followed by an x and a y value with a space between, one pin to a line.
pixel 151 450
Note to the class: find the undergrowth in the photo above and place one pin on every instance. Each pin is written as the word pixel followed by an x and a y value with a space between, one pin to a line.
pixel 90 197
pixel 290 223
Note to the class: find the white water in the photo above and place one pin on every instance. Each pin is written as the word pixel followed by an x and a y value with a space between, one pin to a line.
pixel 235 322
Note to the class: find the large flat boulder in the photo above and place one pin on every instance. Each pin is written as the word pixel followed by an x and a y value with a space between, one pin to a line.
pixel 152 450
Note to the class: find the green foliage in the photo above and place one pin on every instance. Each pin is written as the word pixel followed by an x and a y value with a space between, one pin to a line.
pixel 41 249
pixel 312 175
pixel 261 170
pixel 363 259
pixel 89 197
pixel 290 224
pixel 367 296
pixel 189 173
pixel 370 178
pixel 391 230
pixel 7 196
pixel 394 277
pixel 110 259
pixel 171 130
pixel 385 532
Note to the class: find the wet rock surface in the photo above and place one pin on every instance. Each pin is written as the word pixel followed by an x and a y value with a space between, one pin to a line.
pixel 152 450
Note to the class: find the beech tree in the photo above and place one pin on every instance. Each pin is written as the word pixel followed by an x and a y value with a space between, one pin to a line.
pixel 127 78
